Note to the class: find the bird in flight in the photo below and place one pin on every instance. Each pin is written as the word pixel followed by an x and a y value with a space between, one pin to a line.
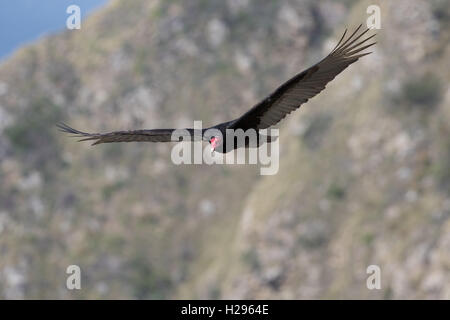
pixel 285 99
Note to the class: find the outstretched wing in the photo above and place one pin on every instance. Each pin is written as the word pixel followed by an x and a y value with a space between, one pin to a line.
pixel 154 135
pixel 305 85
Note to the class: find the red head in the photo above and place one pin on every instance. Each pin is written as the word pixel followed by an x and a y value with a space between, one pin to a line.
pixel 214 141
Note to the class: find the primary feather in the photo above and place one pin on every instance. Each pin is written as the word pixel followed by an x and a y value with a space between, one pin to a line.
pixel 305 85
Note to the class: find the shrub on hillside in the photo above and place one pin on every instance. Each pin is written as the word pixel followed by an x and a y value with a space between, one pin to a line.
pixel 424 91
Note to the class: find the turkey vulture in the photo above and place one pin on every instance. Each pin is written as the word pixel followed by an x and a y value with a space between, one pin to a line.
pixel 288 97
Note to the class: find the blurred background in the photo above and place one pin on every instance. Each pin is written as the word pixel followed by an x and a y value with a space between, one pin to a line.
pixel 364 167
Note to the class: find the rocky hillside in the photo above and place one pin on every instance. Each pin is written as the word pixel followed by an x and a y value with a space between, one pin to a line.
pixel 364 175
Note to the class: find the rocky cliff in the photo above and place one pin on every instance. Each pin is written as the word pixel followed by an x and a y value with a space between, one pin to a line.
pixel 364 167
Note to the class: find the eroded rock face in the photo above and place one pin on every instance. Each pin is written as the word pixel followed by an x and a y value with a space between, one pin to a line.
pixel 363 175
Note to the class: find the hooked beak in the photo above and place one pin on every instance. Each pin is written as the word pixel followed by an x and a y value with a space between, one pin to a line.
pixel 214 142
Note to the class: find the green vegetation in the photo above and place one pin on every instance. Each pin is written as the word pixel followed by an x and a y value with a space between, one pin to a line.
pixel 317 129
pixel 32 136
pixel 146 281
pixel 336 192
pixel 251 259
pixel 424 92
pixel 34 127
pixel 441 10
